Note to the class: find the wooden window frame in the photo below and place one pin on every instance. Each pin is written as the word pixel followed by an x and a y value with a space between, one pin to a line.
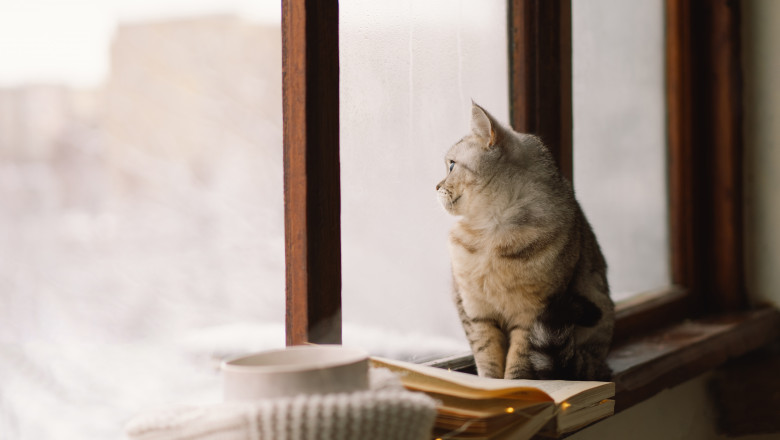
pixel 312 197
pixel 654 348
pixel 703 99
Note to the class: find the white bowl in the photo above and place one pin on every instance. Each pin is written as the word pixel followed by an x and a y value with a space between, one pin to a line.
pixel 311 369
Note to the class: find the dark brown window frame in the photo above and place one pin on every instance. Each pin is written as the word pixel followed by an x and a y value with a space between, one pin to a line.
pixel 312 198
pixel 703 100
pixel 654 348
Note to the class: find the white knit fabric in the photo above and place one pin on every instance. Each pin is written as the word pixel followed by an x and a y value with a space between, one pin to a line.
pixel 385 411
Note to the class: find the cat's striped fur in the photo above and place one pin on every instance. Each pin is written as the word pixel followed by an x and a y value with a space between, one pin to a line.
pixel 530 279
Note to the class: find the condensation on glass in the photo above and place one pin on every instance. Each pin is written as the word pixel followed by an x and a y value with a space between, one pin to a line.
pixel 409 70
pixel 141 229
pixel 620 137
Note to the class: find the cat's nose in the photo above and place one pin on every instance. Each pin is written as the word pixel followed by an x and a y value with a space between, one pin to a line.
pixel 438 185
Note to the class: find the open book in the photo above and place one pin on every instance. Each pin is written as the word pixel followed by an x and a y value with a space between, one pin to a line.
pixel 473 407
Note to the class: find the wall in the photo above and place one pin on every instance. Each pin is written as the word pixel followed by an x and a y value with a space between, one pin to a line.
pixel 761 61
pixel 681 413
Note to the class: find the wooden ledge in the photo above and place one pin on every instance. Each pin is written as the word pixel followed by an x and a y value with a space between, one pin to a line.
pixel 649 363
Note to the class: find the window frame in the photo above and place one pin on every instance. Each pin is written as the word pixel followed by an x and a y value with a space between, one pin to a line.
pixel 312 197
pixel 704 154
pixel 704 145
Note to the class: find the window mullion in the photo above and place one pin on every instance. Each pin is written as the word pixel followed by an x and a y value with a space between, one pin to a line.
pixel 312 199
pixel 540 74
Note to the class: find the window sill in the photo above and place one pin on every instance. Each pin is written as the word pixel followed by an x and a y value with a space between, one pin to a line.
pixel 649 363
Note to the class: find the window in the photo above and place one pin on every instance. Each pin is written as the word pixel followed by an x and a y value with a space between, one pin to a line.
pixel 540 98
pixel 75 308
pixel 619 138
pixel 408 72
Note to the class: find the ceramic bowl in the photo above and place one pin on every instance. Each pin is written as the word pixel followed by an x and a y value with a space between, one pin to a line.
pixel 314 369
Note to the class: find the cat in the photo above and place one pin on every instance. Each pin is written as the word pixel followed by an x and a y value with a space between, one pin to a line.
pixel 530 279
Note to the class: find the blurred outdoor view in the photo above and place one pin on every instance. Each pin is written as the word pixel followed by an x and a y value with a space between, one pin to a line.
pixel 408 72
pixel 619 137
pixel 141 193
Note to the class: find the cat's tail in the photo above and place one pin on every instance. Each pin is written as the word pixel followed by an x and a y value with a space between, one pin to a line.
pixel 585 365
pixel 558 357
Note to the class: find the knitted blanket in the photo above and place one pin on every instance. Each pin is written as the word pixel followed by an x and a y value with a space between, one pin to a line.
pixel 385 411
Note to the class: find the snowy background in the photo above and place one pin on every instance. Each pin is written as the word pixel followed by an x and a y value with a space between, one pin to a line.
pixel 141 212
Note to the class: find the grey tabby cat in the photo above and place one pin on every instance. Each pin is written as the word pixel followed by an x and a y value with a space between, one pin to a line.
pixel 530 280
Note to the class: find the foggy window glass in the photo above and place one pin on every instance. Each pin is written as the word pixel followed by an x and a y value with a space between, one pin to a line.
pixel 409 70
pixel 141 229
pixel 620 137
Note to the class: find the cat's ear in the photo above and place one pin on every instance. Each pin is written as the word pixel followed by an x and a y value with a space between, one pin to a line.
pixel 483 125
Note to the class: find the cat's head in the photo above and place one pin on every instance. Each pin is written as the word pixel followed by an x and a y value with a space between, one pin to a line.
pixel 489 163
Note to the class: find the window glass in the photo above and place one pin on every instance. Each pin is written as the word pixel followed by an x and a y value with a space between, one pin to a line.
pixel 409 70
pixel 620 137
pixel 141 234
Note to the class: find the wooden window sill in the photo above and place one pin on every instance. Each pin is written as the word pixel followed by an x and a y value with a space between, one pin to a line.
pixel 649 363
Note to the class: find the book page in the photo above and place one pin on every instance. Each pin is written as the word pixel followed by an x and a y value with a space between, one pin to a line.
pixel 526 430
pixel 568 421
pixel 437 380
pixel 486 408
pixel 571 391
pixel 504 427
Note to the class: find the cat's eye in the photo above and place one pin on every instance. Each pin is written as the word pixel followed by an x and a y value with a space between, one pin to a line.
pixel 452 164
